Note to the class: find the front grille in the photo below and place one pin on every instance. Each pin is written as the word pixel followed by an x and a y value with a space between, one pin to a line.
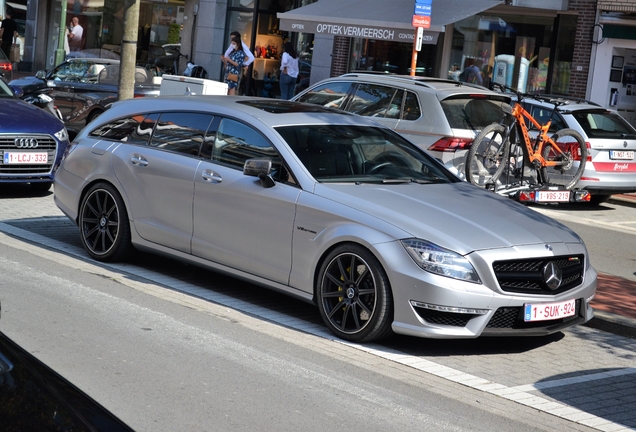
pixel 511 318
pixel 46 143
pixel 444 318
pixel 525 276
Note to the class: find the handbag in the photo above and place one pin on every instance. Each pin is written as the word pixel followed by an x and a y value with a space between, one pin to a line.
pixel 15 53
pixel 232 77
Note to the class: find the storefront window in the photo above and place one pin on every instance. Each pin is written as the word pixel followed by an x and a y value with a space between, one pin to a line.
pixel 103 27
pixel 391 57
pixel 512 50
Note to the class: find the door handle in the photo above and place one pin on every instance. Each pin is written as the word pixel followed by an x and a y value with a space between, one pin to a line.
pixel 211 176
pixel 139 160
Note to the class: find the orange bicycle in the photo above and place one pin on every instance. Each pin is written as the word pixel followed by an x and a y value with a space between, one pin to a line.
pixel 504 154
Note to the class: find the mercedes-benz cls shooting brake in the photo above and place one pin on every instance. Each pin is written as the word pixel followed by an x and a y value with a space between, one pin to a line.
pixel 325 206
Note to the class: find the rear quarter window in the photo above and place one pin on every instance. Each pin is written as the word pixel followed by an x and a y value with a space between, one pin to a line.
pixel 473 114
pixel 604 124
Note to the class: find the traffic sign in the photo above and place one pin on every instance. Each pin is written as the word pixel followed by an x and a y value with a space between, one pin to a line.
pixel 423 9
pixel 418 39
pixel 421 21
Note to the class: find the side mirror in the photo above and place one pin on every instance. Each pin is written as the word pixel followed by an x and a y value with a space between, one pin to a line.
pixel 41 74
pixel 260 168
pixel 17 91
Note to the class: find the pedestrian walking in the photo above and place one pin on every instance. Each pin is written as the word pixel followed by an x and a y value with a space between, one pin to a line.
pixel 7 32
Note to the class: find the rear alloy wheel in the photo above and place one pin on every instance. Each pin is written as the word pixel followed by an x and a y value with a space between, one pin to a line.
pixel 103 223
pixel 354 296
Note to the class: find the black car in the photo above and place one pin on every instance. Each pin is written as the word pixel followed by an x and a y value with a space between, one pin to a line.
pixel 83 88
pixel 33 397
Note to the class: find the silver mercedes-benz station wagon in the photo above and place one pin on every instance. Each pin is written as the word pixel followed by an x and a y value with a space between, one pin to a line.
pixel 326 206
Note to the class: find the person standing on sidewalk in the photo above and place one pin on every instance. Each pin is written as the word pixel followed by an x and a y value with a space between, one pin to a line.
pixel 289 71
pixel 233 65
pixel 249 57
pixel 75 35
pixel 7 31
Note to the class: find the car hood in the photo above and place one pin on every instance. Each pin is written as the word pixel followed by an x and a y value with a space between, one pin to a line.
pixel 457 216
pixel 29 84
pixel 17 116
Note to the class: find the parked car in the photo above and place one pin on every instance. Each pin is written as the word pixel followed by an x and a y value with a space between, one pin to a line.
pixel 326 206
pixel 36 398
pixel 6 67
pixel 611 143
pixel 440 115
pixel 83 88
pixel 32 142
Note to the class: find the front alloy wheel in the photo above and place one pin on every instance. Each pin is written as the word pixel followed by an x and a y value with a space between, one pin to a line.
pixel 103 222
pixel 354 296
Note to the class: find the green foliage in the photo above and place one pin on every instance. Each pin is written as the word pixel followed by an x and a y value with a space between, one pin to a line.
pixel 174 33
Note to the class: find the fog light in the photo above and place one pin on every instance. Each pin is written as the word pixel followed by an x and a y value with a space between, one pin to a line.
pixel 449 308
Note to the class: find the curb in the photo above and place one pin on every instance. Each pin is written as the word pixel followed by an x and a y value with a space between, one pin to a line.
pixel 612 323
pixel 624 199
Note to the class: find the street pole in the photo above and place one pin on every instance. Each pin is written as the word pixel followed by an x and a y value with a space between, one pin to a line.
pixel 60 54
pixel 129 51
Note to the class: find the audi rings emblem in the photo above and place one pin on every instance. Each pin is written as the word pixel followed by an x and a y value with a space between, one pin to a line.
pixel 26 142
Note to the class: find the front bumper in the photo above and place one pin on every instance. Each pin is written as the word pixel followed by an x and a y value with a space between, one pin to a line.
pixel 499 313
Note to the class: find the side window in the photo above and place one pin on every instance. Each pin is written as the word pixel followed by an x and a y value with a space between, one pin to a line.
pixel 371 100
pixel 542 115
pixel 411 107
pixel 236 142
pixel 181 132
pixel 131 130
pixel 330 94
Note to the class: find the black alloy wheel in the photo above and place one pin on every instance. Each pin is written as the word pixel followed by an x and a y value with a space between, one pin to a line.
pixel 103 222
pixel 354 296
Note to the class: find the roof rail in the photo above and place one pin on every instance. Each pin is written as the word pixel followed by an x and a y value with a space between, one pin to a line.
pixel 569 98
pixel 417 80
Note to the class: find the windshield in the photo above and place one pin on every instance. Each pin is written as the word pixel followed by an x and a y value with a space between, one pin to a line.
pixel 604 124
pixel 5 91
pixel 356 154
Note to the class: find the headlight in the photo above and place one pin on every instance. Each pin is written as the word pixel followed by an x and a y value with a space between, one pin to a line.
pixel 437 260
pixel 61 135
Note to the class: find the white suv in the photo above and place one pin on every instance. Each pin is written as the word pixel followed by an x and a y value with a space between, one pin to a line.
pixel 439 115
pixel 611 142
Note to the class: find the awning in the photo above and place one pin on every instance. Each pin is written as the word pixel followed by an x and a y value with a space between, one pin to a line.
pixel 377 19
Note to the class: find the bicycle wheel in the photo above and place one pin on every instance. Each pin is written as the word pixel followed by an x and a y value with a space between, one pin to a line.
pixel 570 160
pixel 485 159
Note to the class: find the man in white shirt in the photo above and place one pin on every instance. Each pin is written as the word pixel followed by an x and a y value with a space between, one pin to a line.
pixel 250 57
pixel 75 35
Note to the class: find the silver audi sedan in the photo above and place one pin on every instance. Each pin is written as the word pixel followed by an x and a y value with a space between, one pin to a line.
pixel 325 206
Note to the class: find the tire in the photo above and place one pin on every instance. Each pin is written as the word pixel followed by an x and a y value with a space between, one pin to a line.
pixel 572 160
pixel 103 223
pixel 41 186
pixel 93 115
pixel 356 307
pixel 485 159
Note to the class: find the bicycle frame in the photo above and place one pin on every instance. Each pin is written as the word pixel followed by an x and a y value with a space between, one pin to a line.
pixel 535 152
